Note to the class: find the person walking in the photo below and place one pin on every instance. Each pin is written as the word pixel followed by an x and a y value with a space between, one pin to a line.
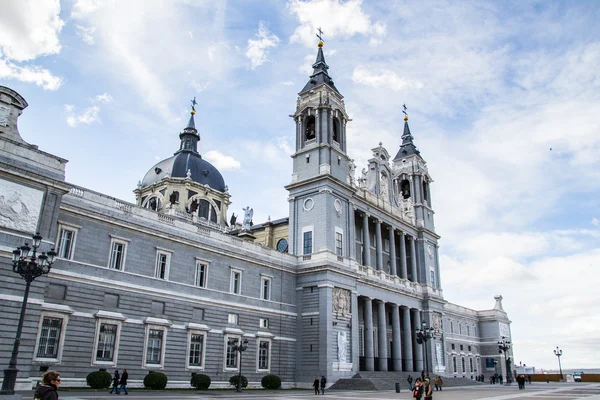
pixel 418 389
pixel 115 382
pixel 427 390
pixel 48 389
pixel 323 383
pixel 123 382
pixel 409 380
pixel 316 385
pixel 438 382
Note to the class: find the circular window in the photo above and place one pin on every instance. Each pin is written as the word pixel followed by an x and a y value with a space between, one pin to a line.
pixel 308 204
pixel 282 246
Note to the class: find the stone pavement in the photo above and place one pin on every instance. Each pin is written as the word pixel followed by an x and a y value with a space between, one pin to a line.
pixel 535 391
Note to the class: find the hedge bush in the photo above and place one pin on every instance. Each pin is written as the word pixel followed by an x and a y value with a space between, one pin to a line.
pixel 234 380
pixel 271 382
pixel 99 379
pixel 200 381
pixel 155 380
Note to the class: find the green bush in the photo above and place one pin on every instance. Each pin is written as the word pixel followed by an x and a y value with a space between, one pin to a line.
pixel 234 380
pixel 200 381
pixel 271 382
pixel 99 379
pixel 155 380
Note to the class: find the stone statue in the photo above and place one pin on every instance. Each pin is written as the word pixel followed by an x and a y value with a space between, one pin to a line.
pixel 342 342
pixel 383 187
pixel 351 173
pixel 248 213
pixel 188 174
pixel 233 219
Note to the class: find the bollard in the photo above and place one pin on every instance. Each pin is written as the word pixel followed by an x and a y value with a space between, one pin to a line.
pixel 397 387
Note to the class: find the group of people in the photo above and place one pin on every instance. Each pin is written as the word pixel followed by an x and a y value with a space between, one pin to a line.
pixel 521 380
pixel 496 379
pixel 320 384
pixel 422 389
pixel 119 382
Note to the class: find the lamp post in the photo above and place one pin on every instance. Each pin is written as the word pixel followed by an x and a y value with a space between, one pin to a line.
pixel 423 335
pixel 27 263
pixel 558 353
pixel 243 346
pixel 503 347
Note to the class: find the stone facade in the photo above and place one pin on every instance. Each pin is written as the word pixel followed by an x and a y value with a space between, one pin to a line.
pixel 161 288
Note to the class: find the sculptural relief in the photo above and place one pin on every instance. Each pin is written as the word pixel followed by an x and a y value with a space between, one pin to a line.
pixel 19 206
pixel 341 301
pixel 342 342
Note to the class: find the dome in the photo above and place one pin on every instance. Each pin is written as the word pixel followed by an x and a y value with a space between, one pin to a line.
pixel 202 171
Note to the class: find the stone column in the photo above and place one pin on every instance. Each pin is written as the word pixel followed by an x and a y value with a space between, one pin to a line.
pixel 382 336
pixel 379 250
pixel 396 349
pixel 393 270
pixel 407 355
pixel 351 240
pixel 413 259
pixel 403 267
pixel 366 241
pixel 368 309
pixel 417 348
pixel 354 329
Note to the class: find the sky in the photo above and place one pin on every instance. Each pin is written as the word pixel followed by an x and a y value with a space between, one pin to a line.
pixel 503 99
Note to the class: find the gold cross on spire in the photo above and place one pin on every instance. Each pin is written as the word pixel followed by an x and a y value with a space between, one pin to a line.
pixel 320 34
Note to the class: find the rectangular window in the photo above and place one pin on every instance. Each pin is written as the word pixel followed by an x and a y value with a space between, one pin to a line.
pixel 471 364
pixel 463 365
pixel 49 338
pixel 231 359
pixel 236 282
pixel 469 348
pixel 432 274
pixel 106 342
pixel 468 330
pixel 66 242
pixel 386 245
pixel 232 319
pixel 461 347
pixel 117 255
pixel 339 244
pixel 263 323
pixel 154 346
pixel 201 274
pixel 162 265
pixel 308 245
pixel 266 288
pixel 264 353
pixel 452 346
pixel 454 364
pixel 196 350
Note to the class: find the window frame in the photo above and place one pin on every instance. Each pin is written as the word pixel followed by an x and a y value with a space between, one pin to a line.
pixel 74 229
pixel 233 319
pixel 339 251
pixel 232 281
pixel 108 319
pixel 258 355
pixel 266 280
pixel 156 327
pixel 263 323
pixel 167 254
pixel 196 330
pixel 125 243
pixel 239 338
pixel 204 263
pixel 64 316
pixel 305 231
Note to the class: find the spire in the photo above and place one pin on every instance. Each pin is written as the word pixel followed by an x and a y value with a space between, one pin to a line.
pixel 407 147
pixel 320 67
pixel 190 137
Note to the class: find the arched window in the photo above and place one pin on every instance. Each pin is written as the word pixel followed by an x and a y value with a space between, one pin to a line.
pixel 425 191
pixel 207 211
pixel 336 130
pixel 459 328
pixel 451 327
pixel 153 204
pixel 309 131
pixel 405 189
pixel 468 330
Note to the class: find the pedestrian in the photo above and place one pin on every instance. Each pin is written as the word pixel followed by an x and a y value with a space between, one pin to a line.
pixel 48 389
pixel 427 390
pixel 123 382
pixel 438 382
pixel 316 385
pixel 409 380
pixel 323 383
pixel 529 379
pixel 422 376
pixel 501 379
pixel 115 382
pixel 418 389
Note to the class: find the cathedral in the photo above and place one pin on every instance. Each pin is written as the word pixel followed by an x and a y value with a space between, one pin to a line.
pixel 349 281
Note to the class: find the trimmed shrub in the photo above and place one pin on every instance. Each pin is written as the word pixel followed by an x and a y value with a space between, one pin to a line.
pixel 234 380
pixel 271 382
pixel 155 380
pixel 99 379
pixel 200 381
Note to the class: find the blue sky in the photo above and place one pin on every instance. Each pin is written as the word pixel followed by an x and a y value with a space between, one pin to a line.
pixel 491 87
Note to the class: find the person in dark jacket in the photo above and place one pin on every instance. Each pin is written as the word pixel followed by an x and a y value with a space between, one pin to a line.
pixel 323 383
pixel 123 382
pixel 47 390
pixel 316 385
pixel 418 389
pixel 115 382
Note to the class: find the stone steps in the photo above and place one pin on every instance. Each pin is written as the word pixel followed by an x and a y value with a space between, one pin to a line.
pixel 376 380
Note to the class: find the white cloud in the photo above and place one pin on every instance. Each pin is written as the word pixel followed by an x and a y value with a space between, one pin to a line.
pixel 595 221
pixel 287 83
pixel 83 8
pixel 343 19
pixel 86 34
pixel 284 144
pixel 221 161
pixel 199 86
pixel 257 50
pixel 385 79
pixel 89 116
pixel 30 28
pixel 104 98
pixel 30 74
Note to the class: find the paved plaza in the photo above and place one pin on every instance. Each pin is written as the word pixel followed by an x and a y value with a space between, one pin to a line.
pixel 535 391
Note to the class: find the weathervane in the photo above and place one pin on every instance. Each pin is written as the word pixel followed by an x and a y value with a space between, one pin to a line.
pixel 404 110
pixel 320 34
pixel 194 103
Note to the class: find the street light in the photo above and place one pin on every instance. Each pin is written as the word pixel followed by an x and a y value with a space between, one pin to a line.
pixel 503 347
pixel 243 346
pixel 27 263
pixel 558 353
pixel 423 335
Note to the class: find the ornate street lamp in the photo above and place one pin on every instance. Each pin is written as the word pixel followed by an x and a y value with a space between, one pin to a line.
pixel 243 346
pixel 558 353
pixel 27 263
pixel 423 335
pixel 503 347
